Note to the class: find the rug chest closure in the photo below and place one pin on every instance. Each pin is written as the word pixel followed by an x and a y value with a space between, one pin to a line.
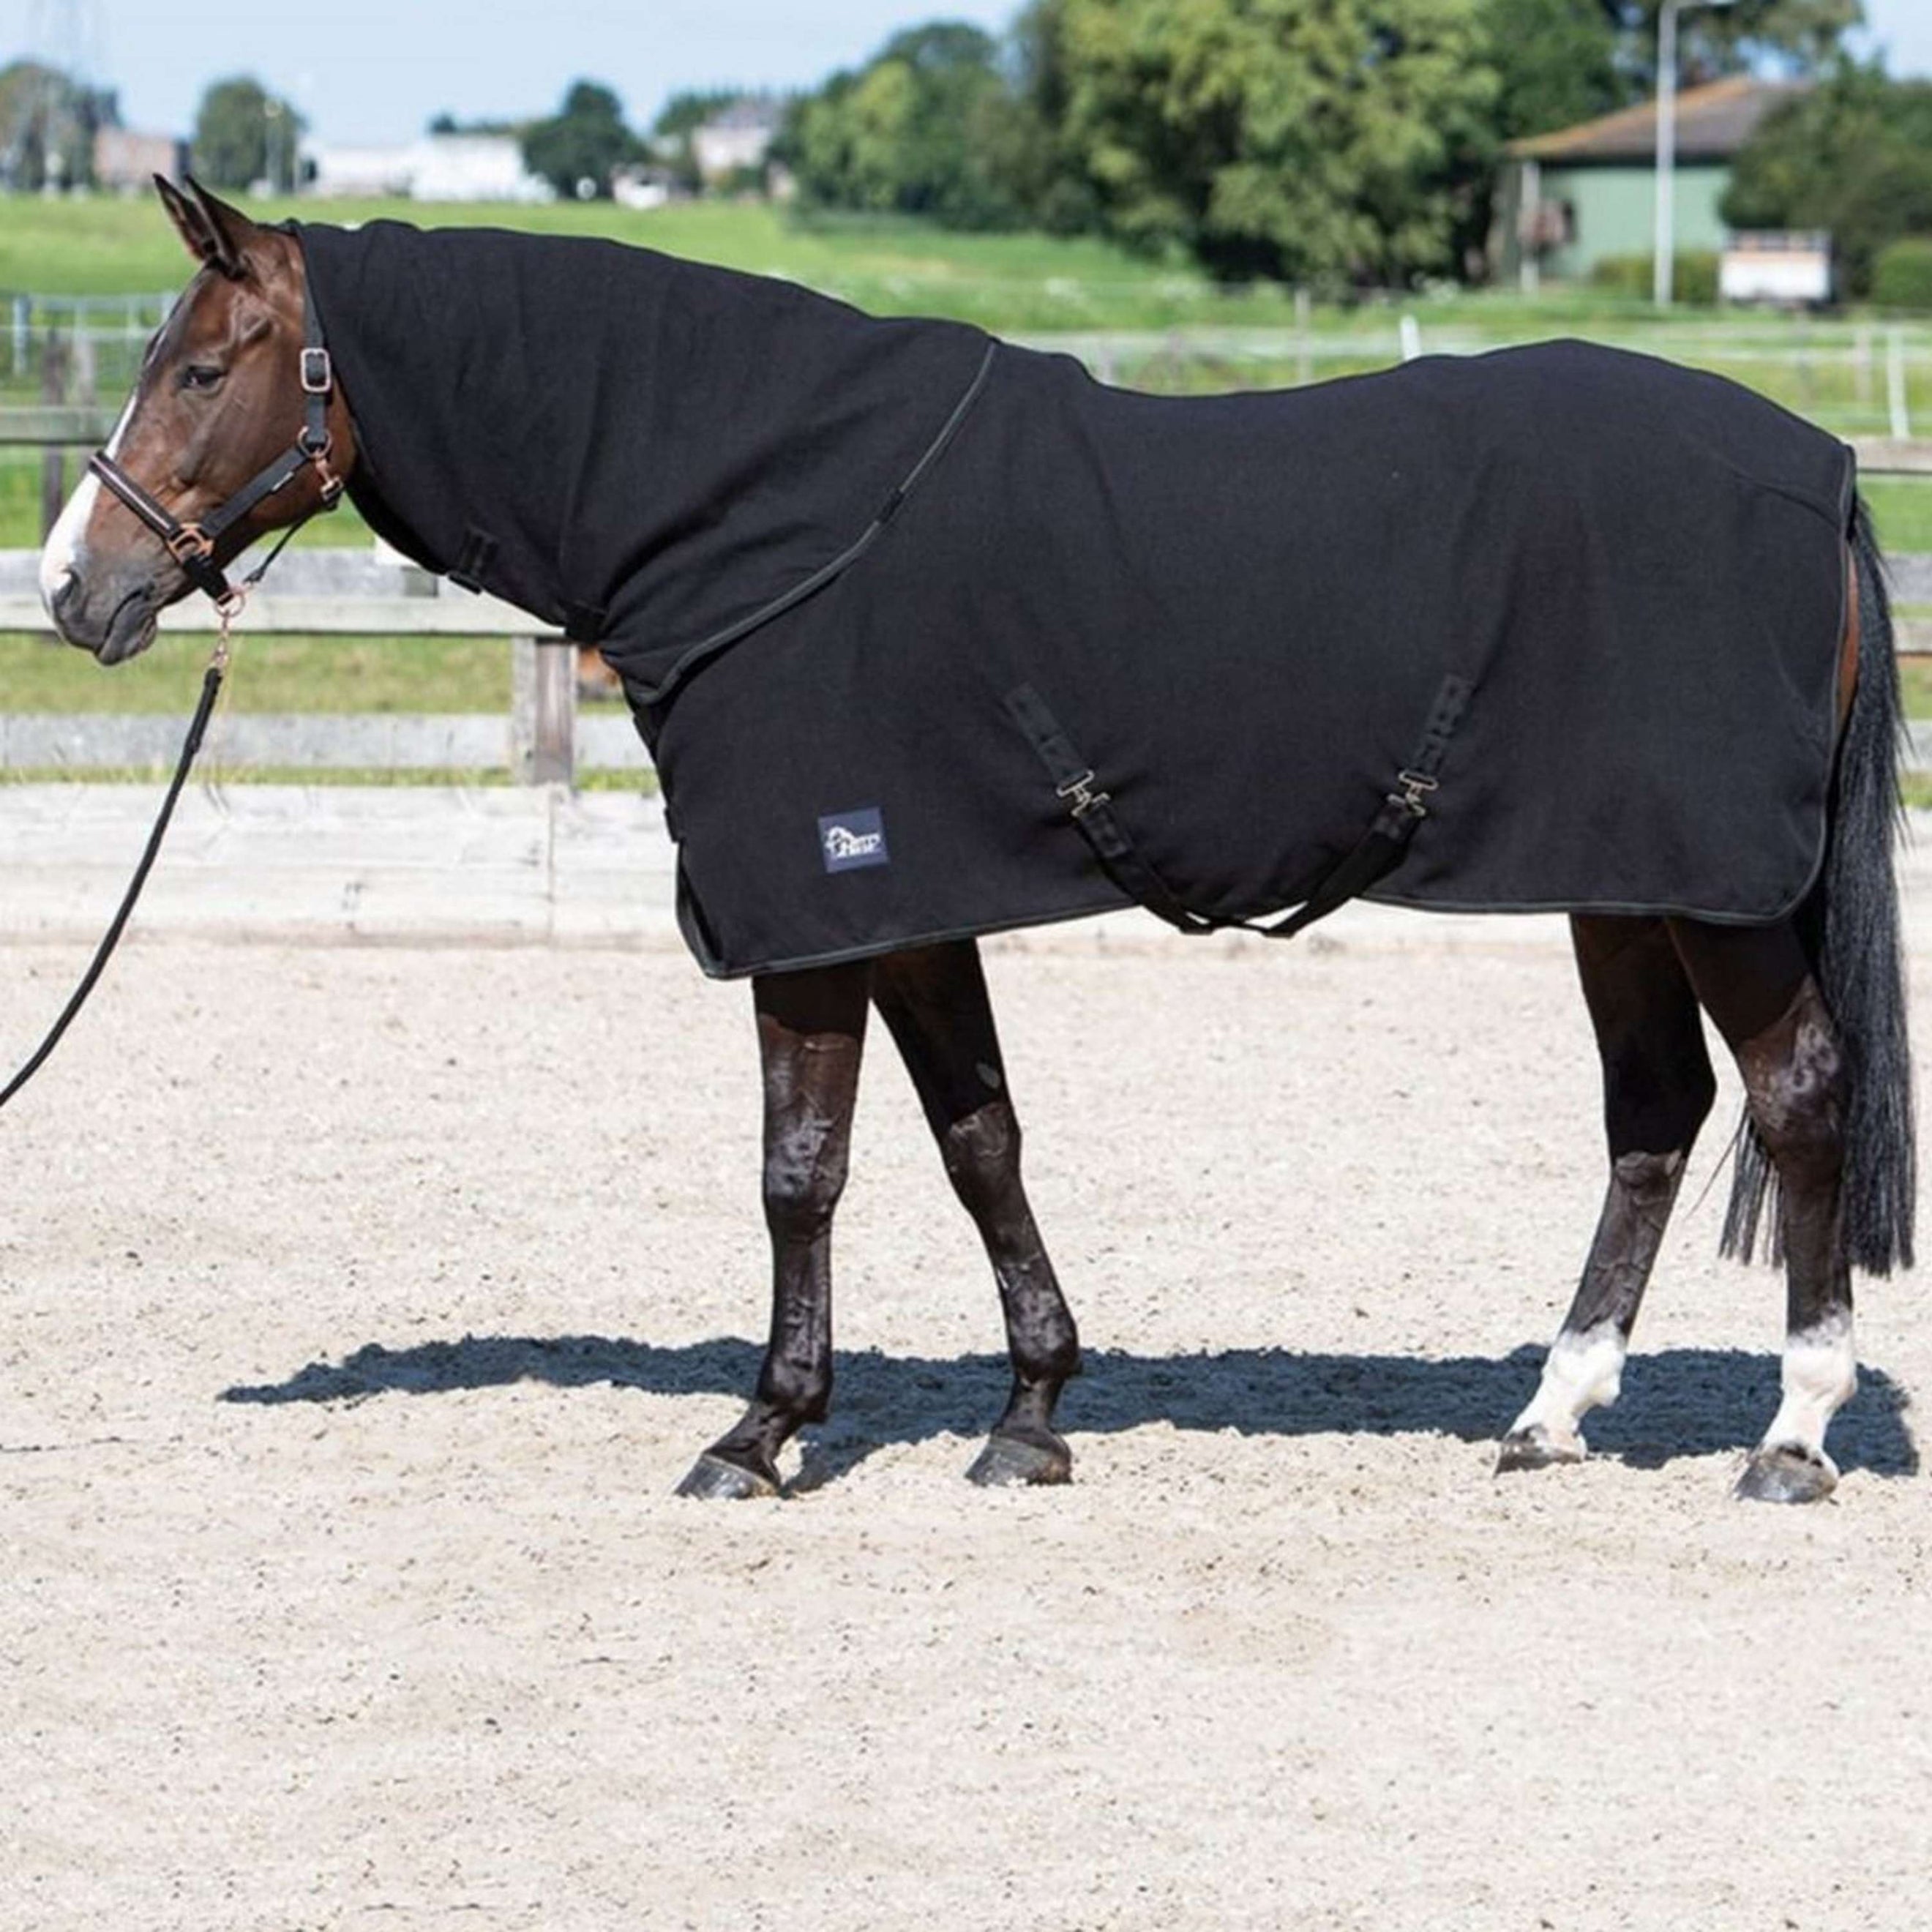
pixel 1379 851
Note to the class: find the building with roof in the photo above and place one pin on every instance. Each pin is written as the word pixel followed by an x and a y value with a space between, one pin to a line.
pixel 736 138
pixel 1568 199
pixel 436 167
pixel 127 163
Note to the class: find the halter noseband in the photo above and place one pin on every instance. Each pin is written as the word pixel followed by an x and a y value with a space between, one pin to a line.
pixel 192 545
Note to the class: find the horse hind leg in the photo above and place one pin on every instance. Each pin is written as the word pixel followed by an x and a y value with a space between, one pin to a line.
pixel 812 1033
pixel 1657 1089
pixel 1756 983
pixel 935 1004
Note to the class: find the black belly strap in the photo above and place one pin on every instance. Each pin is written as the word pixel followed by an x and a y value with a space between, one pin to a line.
pixel 1378 852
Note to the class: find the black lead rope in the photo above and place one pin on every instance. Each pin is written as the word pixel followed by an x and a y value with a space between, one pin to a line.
pixel 210 689
pixel 230 606
pixel 192 546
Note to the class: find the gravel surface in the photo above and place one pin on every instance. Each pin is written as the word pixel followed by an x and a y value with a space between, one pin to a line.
pixel 365 1306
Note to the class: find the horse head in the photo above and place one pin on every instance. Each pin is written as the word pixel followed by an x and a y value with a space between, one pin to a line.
pixel 225 391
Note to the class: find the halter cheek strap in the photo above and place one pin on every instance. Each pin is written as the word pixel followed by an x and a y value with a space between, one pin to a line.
pixel 193 544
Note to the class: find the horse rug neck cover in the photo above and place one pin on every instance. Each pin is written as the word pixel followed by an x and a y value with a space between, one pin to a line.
pixel 856 573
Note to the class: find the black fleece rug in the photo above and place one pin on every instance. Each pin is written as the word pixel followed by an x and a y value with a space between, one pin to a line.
pixel 880 591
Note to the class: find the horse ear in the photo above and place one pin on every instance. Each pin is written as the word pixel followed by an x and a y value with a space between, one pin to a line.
pixel 188 220
pixel 228 230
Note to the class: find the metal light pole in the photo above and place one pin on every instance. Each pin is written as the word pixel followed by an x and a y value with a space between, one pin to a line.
pixel 1666 142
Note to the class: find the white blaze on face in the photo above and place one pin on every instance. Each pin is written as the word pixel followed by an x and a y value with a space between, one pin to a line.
pixel 61 559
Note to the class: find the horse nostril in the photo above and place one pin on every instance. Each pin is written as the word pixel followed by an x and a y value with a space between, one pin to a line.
pixel 64 594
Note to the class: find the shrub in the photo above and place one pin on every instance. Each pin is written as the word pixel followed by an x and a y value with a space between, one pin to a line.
pixel 1902 276
pixel 1693 277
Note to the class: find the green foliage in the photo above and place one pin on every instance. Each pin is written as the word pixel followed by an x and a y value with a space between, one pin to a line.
pixel 1694 276
pixel 928 126
pixel 1902 277
pixel 47 125
pixel 1557 62
pixel 1795 36
pixel 1854 156
pixel 1327 140
pixel 577 149
pixel 243 134
pixel 685 113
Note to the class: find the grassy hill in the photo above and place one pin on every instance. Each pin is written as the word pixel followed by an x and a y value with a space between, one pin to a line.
pixel 112 246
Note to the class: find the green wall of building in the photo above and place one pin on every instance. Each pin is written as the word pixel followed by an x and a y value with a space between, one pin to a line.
pixel 1615 210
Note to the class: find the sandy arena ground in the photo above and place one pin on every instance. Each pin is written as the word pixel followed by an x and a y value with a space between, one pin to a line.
pixel 363 1306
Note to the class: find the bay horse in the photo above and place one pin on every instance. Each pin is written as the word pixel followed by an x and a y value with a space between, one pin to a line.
pixel 238 426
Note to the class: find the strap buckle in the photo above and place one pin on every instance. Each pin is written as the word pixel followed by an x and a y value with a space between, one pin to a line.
pixel 1414 787
pixel 1080 790
pixel 318 374
pixel 188 544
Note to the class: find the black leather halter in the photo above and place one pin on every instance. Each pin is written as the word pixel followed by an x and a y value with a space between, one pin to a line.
pixel 193 544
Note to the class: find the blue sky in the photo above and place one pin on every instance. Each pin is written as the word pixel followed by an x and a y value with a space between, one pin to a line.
pixel 375 71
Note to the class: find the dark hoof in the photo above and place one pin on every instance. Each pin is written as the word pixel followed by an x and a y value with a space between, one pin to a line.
pixel 714 1480
pixel 1007 1460
pixel 1535 1448
pixel 1786 1473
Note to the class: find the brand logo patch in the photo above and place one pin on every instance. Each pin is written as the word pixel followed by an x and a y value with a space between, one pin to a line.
pixel 850 839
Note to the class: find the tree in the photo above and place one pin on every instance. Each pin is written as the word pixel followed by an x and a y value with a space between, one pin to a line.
pixel 1800 36
pixel 1853 156
pixel 578 149
pixel 48 120
pixel 1557 62
pixel 1320 139
pixel 926 127
pixel 243 135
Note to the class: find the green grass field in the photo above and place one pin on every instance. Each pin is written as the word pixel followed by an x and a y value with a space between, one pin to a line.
pixel 269 674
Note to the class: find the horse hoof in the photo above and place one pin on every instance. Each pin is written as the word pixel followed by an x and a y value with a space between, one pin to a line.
pixel 1010 1460
pixel 1535 1448
pixel 1787 1472
pixel 713 1480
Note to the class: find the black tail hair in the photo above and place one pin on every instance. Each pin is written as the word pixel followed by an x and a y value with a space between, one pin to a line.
pixel 1849 929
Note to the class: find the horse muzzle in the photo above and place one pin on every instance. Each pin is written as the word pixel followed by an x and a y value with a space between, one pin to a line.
pixel 111 614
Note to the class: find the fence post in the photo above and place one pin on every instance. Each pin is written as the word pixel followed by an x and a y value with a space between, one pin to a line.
pixel 1897 404
pixel 53 458
pixel 543 711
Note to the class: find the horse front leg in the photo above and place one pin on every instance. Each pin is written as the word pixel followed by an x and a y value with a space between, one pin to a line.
pixel 1657 1089
pixel 812 1033
pixel 934 1001
pixel 1756 984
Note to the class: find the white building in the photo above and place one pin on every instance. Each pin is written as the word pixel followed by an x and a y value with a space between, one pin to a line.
pixel 437 167
pixel 737 137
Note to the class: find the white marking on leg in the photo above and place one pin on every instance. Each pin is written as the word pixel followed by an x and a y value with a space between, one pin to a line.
pixel 1583 1371
pixel 1820 1373
pixel 62 557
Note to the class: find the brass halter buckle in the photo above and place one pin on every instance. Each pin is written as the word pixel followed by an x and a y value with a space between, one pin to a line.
pixel 188 545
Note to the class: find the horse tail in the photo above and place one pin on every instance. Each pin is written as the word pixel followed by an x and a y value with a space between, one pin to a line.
pixel 1849 927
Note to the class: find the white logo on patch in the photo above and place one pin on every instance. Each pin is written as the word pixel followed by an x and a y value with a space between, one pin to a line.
pixel 840 842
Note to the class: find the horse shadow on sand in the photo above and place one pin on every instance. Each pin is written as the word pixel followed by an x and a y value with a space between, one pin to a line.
pixel 1682 1402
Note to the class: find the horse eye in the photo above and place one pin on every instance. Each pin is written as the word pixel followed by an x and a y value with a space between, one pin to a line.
pixel 201 376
